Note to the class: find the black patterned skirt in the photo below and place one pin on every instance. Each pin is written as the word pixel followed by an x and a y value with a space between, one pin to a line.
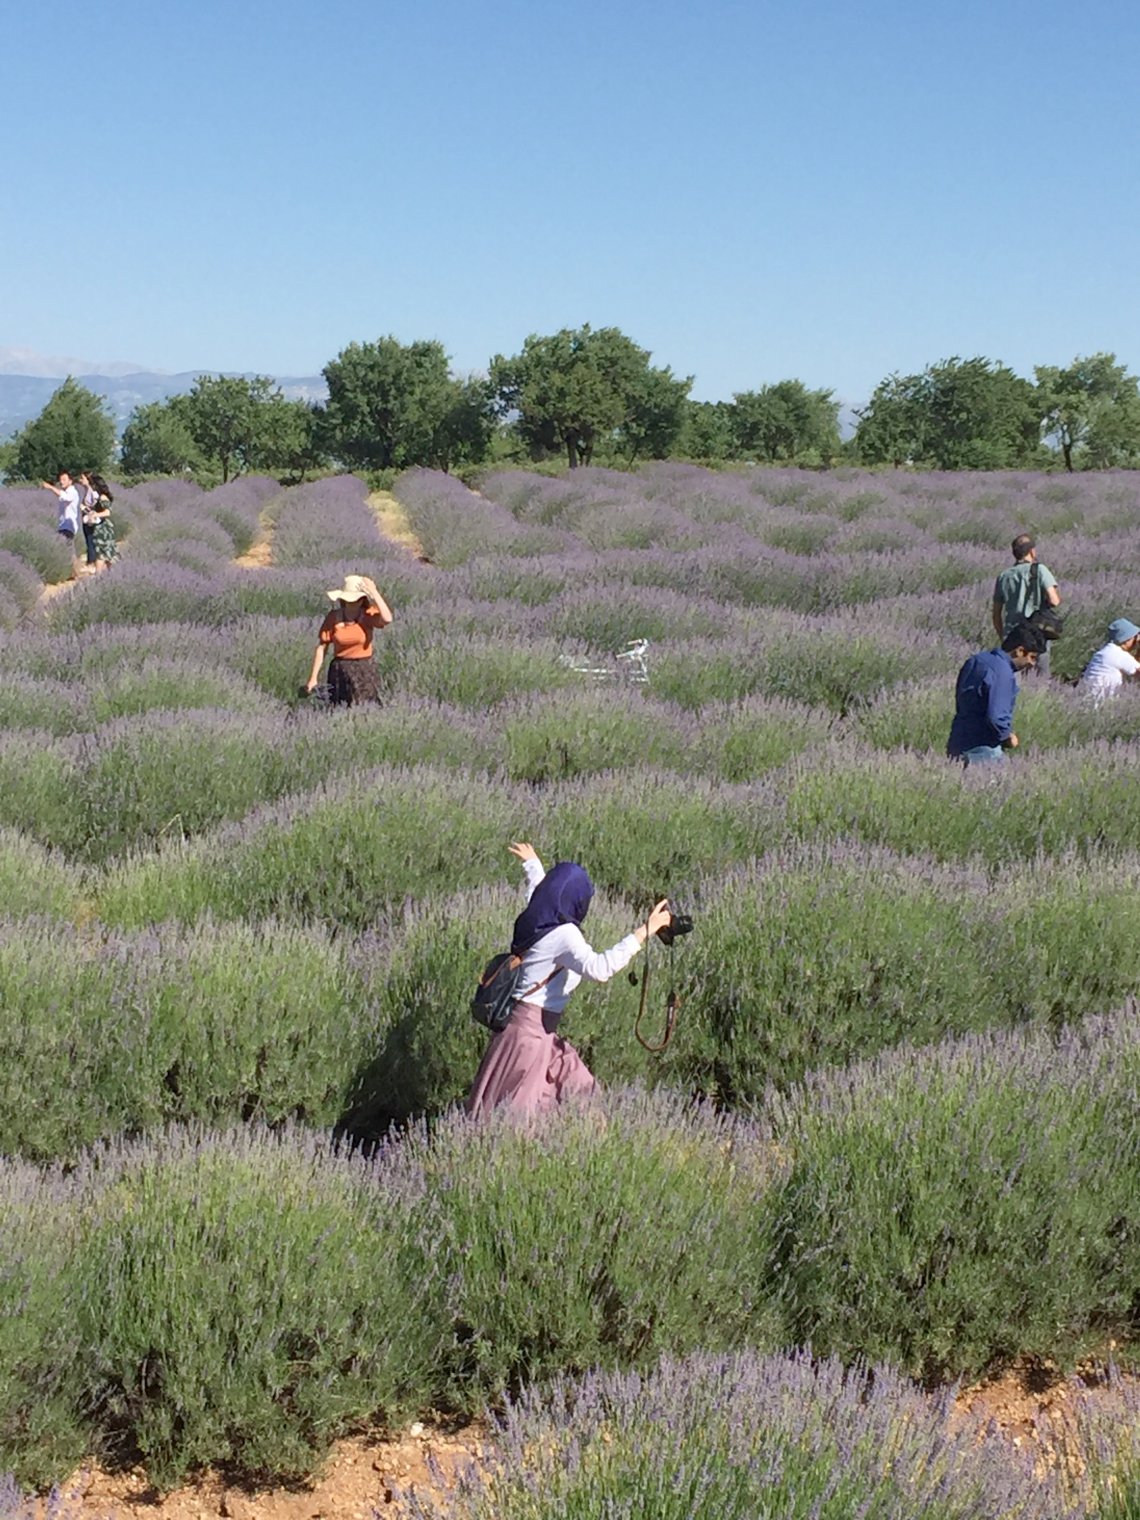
pixel 352 681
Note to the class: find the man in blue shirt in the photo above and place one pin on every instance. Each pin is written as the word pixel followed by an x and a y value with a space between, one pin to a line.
pixel 982 729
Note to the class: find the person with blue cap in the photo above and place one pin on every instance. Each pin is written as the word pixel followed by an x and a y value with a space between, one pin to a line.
pixel 528 1066
pixel 1114 663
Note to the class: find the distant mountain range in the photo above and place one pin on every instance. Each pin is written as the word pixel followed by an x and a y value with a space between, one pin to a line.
pixel 27 381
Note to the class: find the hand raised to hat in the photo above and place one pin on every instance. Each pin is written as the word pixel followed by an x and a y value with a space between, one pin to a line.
pixel 523 851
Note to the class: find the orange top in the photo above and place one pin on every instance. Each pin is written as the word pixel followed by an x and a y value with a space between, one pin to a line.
pixel 350 640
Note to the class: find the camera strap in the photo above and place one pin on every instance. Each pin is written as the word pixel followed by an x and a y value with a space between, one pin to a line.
pixel 672 1006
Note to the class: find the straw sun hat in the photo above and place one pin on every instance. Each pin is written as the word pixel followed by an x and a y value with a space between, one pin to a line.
pixel 355 587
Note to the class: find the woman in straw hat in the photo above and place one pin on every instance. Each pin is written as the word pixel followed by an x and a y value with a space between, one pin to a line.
pixel 358 610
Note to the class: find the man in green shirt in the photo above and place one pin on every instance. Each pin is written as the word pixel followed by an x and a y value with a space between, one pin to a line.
pixel 1022 590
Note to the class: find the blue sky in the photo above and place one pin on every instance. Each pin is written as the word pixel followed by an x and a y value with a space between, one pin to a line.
pixel 751 190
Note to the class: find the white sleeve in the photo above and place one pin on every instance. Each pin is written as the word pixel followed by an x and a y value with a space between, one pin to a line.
pixel 534 871
pixel 594 965
pixel 1120 659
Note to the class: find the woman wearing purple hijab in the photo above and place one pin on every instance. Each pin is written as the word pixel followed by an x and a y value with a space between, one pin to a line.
pixel 528 1065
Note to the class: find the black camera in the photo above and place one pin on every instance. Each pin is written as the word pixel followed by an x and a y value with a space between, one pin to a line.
pixel 679 924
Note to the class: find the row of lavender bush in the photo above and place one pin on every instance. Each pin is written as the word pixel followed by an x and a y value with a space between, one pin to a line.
pixel 733 1437
pixel 708 573
pixel 812 957
pixel 244 1297
pixel 799 1437
pixel 147 777
pixel 426 829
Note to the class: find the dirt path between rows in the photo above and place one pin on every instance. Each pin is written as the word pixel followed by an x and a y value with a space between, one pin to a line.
pixel 259 555
pixel 392 521
pixel 362 1475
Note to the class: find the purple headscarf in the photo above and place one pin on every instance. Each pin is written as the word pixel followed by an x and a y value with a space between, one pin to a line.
pixel 561 897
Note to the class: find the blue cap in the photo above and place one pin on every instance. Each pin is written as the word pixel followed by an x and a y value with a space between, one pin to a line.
pixel 1120 630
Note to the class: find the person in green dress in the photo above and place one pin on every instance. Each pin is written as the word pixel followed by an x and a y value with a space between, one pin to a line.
pixel 103 543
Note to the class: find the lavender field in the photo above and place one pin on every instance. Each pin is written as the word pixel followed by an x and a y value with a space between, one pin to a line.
pixel 238 932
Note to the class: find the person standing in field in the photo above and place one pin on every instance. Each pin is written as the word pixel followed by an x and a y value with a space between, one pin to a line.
pixel 1114 663
pixel 102 548
pixel 528 1066
pixel 68 525
pixel 88 517
pixel 986 694
pixel 358 611
pixel 1022 590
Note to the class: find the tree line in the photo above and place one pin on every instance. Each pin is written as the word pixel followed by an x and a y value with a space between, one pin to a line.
pixel 587 396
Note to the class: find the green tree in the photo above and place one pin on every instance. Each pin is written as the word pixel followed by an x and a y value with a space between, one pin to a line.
pixel 292 439
pixel 392 405
pixel 465 431
pixel 74 432
pixel 158 441
pixel 982 416
pixel 657 409
pixel 786 421
pixel 892 426
pixel 234 421
pixel 707 431
pixel 569 391
pixel 960 414
pixel 1091 408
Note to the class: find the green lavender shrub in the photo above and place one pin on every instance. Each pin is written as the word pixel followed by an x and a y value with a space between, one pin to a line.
pixel 38 787
pixel 19 589
pixel 1071 939
pixel 603 1234
pixel 1081 799
pixel 51 705
pixel 43 1430
pixel 815 957
pixel 37 882
pixel 949 1209
pixel 118 1034
pixel 275 653
pixel 242 1297
pixel 740 741
pixel 352 848
pixel 346 852
pixel 474 671
pixel 646 834
pixel 552 738
pixel 173 777
pixel 166 683
pixel 40 547
pixel 283 1308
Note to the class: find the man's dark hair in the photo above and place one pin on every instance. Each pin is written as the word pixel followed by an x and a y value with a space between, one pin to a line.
pixel 1022 544
pixel 1025 636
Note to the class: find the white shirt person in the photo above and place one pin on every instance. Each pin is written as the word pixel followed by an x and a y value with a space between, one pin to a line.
pixel 1114 663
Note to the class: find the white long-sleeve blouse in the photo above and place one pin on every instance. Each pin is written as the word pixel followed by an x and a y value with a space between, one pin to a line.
pixel 567 949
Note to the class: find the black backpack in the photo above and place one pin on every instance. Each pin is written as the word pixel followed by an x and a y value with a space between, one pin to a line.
pixel 1046 619
pixel 497 992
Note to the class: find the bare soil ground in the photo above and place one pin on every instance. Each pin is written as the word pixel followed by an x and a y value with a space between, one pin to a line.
pixel 53 588
pixel 257 557
pixel 363 1475
pixel 392 521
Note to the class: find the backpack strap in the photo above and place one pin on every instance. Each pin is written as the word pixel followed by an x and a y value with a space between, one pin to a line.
pixel 538 986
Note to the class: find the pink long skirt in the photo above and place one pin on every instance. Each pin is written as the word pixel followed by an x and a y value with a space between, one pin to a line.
pixel 529 1066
